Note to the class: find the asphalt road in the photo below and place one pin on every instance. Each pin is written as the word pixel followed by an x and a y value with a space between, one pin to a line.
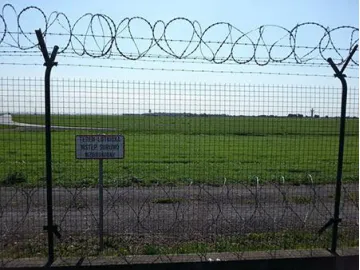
pixel 176 211
pixel 6 119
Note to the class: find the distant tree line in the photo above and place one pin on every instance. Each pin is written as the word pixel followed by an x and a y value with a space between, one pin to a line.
pixel 299 115
pixel 290 115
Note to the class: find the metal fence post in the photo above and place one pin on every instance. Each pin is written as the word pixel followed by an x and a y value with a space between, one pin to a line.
pixel 101 205
pixel 49 63
pixel 336 219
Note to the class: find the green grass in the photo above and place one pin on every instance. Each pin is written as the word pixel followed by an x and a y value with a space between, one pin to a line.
pixel 220 125
pixel 123 245
pixel 180 150
pixel 6 127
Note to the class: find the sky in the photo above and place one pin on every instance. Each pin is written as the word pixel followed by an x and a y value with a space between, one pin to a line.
pixel 244 16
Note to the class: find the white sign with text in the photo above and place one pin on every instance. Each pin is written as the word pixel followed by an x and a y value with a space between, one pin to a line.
pixel 99 146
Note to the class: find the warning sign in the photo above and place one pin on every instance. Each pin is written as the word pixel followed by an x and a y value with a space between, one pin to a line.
pixel 99 146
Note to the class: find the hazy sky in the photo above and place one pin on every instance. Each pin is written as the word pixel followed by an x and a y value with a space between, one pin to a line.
pixel 244 15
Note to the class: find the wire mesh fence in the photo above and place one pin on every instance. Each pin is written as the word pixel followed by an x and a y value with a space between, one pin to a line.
pixel 22 188
pixel 207 168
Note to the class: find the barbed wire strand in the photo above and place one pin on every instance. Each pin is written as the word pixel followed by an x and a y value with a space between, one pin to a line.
pixel 181 70
pixel 167 60
pixel 178 40
pixel 6 49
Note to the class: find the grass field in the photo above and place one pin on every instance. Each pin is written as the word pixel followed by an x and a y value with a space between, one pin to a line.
pixel 179 150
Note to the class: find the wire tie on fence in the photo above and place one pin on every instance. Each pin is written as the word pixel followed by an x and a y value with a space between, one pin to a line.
pixel 54 229
pixel 328 224
pixel 337 75
pixel 50 64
